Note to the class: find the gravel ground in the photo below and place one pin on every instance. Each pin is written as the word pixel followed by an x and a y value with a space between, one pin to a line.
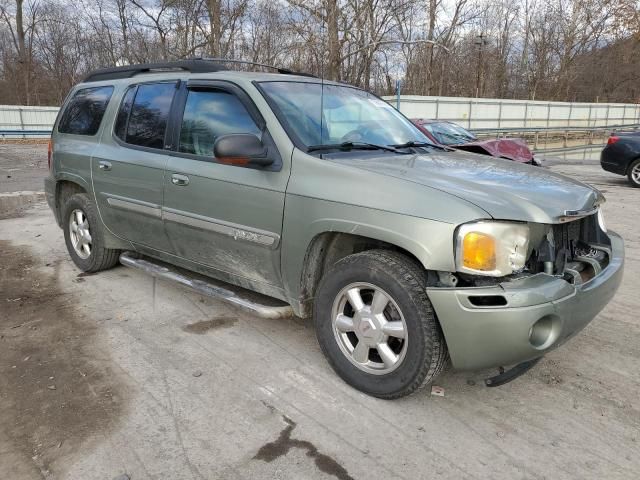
pixel 22 167
pixel 107 374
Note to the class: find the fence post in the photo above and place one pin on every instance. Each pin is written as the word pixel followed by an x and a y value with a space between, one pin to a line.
pixel 499 114
pixel 437 108
pixel 548 114
pixel 606 120
pixel 526 112
pixel 21 122
pixel 570 114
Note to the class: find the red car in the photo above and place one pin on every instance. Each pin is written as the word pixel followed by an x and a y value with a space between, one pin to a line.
pixel 452 135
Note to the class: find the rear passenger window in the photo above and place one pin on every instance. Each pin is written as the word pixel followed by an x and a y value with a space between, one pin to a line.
pixel 146 122
pixel 85 111
pixel 209 114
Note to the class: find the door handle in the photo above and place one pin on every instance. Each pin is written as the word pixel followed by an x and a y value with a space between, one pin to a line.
pixel 180 180
pixel 102 165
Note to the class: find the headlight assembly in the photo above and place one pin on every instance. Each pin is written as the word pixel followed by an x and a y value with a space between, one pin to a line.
pixel 492 248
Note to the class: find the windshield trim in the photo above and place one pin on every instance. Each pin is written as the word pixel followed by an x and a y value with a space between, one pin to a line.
pixel 297 141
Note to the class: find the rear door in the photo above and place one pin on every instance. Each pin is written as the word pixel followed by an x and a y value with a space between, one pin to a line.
pixel 228 217
pixel 128 172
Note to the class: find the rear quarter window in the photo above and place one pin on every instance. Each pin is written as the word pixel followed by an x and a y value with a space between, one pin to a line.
pixel 83 114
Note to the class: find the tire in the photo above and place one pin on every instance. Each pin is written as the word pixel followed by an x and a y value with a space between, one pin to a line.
pixel 419 357
pixel 634 173
pixel 96 257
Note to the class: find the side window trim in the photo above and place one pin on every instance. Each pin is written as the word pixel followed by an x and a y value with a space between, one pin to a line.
pixel 178 84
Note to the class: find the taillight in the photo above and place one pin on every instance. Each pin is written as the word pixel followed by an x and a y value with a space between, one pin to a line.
pixel 612 139
pixel 49 152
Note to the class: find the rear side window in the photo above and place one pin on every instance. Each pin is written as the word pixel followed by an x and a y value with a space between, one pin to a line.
pixel 85 110
pixel 142 119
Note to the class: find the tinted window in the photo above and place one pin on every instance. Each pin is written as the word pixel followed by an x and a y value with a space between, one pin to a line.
pixel 85 111
pixel 149 114
pixel 449 133
pixel 209 114
pixel 123 113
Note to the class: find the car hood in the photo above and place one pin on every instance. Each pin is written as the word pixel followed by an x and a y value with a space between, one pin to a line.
pixel 514 149
pixel 504 189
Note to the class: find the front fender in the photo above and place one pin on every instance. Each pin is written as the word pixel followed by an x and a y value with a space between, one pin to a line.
pixel 430 241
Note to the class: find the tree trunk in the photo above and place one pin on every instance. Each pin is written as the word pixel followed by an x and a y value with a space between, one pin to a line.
pixel 215 22
pixel 333 69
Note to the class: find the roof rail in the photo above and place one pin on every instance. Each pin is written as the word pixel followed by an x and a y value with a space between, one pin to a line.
pixel 193 65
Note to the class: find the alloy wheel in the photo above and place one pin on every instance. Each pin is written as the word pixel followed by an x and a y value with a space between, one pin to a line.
pixel 80 234
pixel 369 328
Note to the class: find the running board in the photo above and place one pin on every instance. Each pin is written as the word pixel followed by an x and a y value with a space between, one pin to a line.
pixel 204 287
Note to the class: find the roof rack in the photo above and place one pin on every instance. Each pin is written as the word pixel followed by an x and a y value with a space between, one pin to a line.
pixel 193 65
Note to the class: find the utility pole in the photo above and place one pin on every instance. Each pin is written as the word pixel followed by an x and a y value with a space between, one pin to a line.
pixel 480 41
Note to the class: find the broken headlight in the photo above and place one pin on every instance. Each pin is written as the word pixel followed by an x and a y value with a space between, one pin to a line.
pixel 492 248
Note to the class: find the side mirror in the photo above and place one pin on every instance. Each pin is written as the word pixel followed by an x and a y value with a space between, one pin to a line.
pixel 241 149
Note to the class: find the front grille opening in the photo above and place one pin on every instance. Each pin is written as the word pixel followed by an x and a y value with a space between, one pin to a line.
pixel 488 300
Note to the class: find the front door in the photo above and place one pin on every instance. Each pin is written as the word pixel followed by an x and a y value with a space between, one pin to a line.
pixel 128 173
pixel 223 216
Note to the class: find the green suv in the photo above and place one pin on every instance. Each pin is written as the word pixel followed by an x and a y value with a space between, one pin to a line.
pixel 330 204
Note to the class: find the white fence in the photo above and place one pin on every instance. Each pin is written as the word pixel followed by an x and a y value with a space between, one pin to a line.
pixel 26 119
pixel 478 113
pixel 474 113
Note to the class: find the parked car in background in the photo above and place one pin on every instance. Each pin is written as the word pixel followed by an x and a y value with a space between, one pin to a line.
pixel 453 135
pixel 622 156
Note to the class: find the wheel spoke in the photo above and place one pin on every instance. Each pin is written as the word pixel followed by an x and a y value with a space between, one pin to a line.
pixel 389 358
pixel 79 218
pixel 74 227
pixel 361 352
pixel 87 237
pixel 344 323
pixel 355 299
pixel 379 302
pixel 394 329
pixel 86 249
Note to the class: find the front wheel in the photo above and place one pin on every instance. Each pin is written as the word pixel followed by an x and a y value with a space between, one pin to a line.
pixel 376 326
pixel 634 173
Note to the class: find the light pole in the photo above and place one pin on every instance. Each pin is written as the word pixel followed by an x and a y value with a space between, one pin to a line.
pixel 480 41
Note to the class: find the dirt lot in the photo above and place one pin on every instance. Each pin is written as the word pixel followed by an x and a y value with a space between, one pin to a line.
pixel 99 377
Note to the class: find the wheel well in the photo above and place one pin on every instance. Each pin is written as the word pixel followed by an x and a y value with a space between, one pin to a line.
pixel 634 160
pixel 328 248
pixel 64 190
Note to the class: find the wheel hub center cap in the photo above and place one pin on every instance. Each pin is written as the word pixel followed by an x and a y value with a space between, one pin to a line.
pixel 368 328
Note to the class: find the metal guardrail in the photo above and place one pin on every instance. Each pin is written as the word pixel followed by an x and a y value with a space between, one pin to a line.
pixel 559 135
pixel 23 133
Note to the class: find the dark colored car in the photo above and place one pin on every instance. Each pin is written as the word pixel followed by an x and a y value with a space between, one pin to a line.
pixel 622 156
pixel 453 135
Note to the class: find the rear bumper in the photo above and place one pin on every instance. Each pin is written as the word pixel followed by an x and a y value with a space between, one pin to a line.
pixel 611 162
pixel 50 195
pixel 541 313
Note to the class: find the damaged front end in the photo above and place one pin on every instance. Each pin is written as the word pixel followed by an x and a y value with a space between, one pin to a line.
pixel 562 276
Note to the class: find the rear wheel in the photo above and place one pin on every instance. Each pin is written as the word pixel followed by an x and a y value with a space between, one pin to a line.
pixel 83 235
pixel 634 173
pixel 376 326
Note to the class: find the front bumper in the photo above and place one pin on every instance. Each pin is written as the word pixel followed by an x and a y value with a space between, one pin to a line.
pixel 541 313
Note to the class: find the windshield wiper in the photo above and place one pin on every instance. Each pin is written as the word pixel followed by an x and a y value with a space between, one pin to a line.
pixel 353 146
pixel 414 143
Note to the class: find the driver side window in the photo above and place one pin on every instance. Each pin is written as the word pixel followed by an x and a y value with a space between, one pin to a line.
pixel 209 114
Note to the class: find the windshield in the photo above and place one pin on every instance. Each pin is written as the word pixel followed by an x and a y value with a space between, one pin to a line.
pixel 344 115
pixel 449 133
